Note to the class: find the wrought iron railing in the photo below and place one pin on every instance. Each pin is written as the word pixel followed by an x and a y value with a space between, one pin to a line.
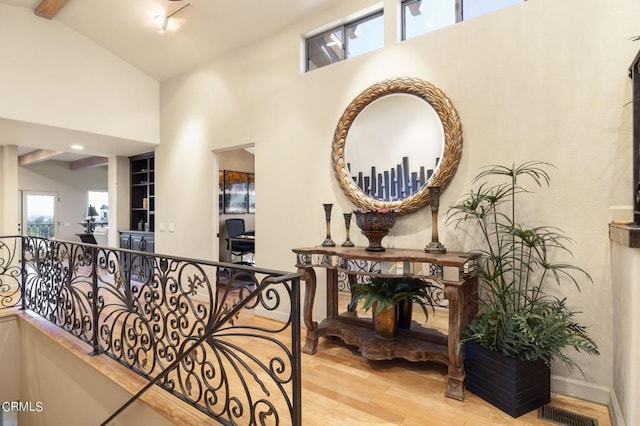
pixel 186 325
pixel 44 230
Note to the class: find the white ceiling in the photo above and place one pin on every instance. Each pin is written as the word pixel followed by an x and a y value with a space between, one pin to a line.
pixel 207 28
pixel 128 29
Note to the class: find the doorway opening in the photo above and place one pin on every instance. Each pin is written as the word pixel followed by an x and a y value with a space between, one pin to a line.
pixel 236 203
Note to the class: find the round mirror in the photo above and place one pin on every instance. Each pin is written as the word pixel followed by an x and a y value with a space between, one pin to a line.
pixel 398 145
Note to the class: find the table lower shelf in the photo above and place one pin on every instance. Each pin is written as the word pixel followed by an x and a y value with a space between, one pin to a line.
pixel 371 347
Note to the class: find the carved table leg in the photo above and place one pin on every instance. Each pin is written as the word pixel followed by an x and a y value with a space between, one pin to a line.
pixel 351 307
pixel 311 339
pixel 332 293
pixel 457 316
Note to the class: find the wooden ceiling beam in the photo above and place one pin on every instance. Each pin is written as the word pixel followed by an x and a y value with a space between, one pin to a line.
pixel 88 162
pixel 48 8
pixel 36 156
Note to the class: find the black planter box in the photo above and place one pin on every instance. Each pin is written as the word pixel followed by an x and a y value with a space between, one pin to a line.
pixel 514 386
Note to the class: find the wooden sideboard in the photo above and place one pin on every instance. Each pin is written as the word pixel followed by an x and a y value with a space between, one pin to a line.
pixel 415 344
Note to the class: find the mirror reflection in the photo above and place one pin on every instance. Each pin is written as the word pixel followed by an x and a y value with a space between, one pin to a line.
pixel 394 146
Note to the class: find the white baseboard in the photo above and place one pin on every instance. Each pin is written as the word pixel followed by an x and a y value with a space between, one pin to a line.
pixel 589 392
pixel 617 418
pixel 580 389
pixel 274 315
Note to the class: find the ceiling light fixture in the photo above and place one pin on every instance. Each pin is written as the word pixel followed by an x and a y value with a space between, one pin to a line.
pixel 163 26
pixel 77 147
pixel 165 18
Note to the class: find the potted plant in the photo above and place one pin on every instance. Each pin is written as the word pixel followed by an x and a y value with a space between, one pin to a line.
pixel 391 299
pixel 520 328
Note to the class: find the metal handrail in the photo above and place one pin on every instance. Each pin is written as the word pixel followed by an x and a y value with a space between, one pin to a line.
pixel 162 313
pixel 267 282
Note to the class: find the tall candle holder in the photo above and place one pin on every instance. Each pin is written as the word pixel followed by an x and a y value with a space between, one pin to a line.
pixel 347 225
pixel 328 242
pixel 434 201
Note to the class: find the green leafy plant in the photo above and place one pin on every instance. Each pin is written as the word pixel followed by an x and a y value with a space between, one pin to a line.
pixel 517 318
pixel 384 293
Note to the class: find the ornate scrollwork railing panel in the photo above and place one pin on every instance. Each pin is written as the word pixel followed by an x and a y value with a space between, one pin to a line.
pixel 153 309
pixel 58 284
pixel 240 355
pixel 10 273
pixel 186 325
pixel 149 307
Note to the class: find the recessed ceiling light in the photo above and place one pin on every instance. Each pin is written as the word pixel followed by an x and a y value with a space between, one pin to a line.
pixel 77 147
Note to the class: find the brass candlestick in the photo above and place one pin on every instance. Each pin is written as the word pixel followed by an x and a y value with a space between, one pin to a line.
pixel 328 242
pixel 347 225
pixel 434 201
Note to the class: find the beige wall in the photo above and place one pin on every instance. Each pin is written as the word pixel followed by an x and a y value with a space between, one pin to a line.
pixel 9 217
pixel 70 185
pixel 542 80
pixel 119 198
pixel 9 360
pixel 71 392
pixel 57 88
pixel 52 75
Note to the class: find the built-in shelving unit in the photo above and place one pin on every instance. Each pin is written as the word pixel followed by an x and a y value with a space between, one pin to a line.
pixel 142 192
pixel 140 234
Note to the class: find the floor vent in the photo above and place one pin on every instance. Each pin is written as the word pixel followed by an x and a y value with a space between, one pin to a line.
pixel 564 417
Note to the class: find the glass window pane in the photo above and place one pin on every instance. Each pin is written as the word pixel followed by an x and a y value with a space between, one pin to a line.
pixel 365 36
pixel 423 16
pixel 324 49
pixel 40 216
pixel 100 200
pixel 473 8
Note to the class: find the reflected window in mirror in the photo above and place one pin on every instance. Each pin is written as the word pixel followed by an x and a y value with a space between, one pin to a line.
pixel 423 16
pixel 345 41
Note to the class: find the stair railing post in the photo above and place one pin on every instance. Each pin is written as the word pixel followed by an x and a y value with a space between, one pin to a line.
pixel 23 269
pixel 94 301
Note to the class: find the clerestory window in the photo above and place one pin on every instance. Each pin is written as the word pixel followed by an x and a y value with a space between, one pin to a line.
pixel 345 41
pixel 423 16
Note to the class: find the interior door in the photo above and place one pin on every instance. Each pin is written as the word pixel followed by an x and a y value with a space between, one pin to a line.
pixel 39 216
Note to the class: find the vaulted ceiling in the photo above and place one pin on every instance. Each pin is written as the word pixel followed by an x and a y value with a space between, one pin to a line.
pixel 199 32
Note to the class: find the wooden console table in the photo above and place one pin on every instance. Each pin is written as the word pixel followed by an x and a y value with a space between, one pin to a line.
pixel 460 290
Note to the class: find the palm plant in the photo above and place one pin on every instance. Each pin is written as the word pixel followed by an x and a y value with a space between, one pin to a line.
pixel 517 318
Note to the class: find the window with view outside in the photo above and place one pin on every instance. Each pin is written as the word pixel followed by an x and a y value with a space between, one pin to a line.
pixel 99 200
pixel 39 211
pixel 345 41
pixel 365 36
pixel 423 16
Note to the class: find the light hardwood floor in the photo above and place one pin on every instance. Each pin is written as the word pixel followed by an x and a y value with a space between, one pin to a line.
pixel 339 387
